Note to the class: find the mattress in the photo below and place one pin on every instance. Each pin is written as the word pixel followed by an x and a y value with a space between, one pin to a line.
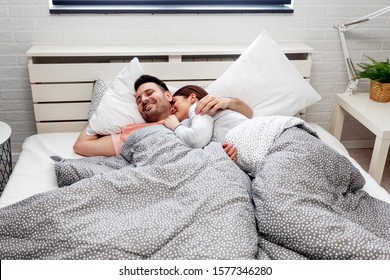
pixel 34 171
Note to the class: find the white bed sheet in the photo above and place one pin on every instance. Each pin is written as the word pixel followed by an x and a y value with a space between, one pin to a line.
pixel 34 171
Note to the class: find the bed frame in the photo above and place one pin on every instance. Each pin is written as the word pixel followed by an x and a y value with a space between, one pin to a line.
pixel 62 76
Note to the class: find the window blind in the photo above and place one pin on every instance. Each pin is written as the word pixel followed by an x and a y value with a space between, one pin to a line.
pixel 171 6
pixel 170 2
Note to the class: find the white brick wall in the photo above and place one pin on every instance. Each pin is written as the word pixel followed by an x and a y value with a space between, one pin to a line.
pixel 27 22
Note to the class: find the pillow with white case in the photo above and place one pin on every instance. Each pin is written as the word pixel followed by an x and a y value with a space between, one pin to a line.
pixel 117 107
pixel 266 80
pixel 98 90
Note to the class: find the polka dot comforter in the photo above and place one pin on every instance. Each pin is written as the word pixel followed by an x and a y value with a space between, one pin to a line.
pixel 310 204
pixel 308 198
pixel 159 200
pixel 163 200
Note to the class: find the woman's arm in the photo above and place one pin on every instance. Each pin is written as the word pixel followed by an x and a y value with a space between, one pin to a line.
pixel 199 132
pixel 210 104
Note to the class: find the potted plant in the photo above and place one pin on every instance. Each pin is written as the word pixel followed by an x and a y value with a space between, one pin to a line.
pixel 379 74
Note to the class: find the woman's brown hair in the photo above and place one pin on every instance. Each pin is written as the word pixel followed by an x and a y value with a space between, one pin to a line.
pixel 187 90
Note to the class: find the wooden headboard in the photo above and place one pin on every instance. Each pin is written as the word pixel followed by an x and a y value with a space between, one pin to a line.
pixel 62 76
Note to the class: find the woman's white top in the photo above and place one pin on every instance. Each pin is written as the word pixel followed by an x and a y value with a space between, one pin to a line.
pixel 198 130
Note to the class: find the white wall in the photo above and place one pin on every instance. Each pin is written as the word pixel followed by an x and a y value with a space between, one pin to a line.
pixel 27 22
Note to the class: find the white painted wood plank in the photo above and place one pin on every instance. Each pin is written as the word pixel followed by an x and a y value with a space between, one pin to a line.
pixel 133 50
pixel 61 92
pixel 61 111
pixel 83 72
pixel 61 127
pixel 89 72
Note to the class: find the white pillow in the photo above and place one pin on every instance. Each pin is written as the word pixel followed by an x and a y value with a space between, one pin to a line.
pixel 99 89
pixel 266 80
pixel 118 108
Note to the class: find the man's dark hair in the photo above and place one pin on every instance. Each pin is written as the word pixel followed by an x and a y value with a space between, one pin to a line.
pixel 150 79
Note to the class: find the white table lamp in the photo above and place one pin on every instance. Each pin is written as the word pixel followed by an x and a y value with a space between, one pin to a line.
pixel 342 28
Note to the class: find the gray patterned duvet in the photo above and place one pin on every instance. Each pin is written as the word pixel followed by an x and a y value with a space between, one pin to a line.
pixel 309 204
pixel 163 200
pixel 171 202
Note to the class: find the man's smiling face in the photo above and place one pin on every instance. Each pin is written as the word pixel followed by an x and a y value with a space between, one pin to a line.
pixel 153 103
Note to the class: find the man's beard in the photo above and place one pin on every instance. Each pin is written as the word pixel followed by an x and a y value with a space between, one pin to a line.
pixel 158 113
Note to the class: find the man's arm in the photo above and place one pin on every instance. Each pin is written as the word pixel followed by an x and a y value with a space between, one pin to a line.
pixel 210 104
pixel 94 145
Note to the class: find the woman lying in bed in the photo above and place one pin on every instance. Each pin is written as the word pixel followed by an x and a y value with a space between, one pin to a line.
pixel 198 130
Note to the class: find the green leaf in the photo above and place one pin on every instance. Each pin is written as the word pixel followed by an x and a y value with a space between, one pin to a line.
pixel 376 70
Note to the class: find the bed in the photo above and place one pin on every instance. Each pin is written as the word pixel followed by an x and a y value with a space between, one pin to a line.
pixel 162 200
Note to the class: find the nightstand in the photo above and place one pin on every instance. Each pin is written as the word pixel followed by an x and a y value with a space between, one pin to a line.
pixel 5 155
pixel 374 116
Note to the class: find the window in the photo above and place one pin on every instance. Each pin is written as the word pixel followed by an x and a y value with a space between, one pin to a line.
pixel 171 6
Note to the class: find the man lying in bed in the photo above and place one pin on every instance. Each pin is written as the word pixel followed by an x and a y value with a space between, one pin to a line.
pixel 154 103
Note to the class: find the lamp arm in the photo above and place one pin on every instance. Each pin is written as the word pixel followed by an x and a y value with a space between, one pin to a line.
pixel 352 24
pixel 348 61
pixel 342 28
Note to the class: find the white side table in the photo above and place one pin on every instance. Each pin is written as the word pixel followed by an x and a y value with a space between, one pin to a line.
pixel 373 115
pixel 5 154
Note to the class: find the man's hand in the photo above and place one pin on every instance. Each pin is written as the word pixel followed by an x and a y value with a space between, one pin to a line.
pixel 211 104
pixel 171 122
pixel 230 150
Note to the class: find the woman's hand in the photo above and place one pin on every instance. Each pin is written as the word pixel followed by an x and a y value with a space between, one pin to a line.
pixel 210 104
pixel 171 122
pixel 230 150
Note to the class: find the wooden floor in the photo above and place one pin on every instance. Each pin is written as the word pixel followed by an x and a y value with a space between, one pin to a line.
pixel 363 157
